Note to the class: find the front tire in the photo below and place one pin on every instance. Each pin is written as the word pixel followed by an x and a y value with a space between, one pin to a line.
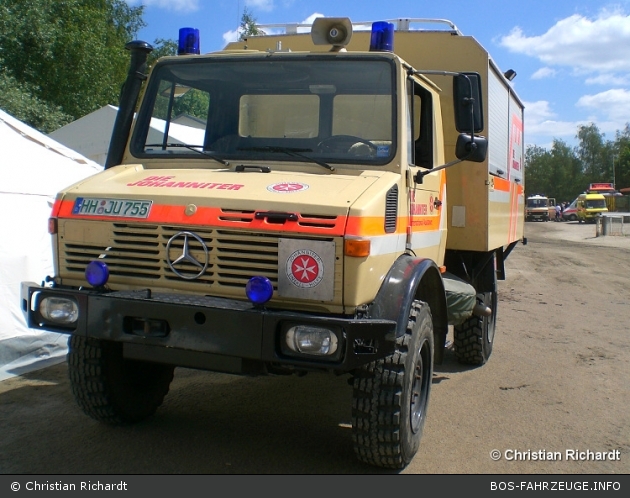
pixel 391 395
pixel 112 389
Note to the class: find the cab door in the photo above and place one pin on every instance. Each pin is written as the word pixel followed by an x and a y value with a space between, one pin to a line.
pixel 426 226
pixel 581 209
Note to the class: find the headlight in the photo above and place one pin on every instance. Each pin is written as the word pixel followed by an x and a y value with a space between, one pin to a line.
pixel 307 339
pixel 60 310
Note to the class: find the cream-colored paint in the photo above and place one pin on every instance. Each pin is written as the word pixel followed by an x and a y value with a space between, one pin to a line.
pixel 484 227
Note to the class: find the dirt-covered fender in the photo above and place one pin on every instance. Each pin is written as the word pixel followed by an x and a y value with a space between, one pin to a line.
pixel 410 279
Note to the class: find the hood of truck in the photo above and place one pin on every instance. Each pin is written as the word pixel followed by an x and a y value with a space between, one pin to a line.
pixel 205 196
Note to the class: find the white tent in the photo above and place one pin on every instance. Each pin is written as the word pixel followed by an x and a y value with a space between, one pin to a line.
pixel 34 168
pixel 91 134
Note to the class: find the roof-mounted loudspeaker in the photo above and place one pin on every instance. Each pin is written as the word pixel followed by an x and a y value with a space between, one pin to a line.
pixel 335 31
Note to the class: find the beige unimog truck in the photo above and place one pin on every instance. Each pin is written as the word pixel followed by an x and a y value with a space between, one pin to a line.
pixel 332 201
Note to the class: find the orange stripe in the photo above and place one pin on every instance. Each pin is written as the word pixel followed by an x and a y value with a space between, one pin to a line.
pixel 515 190
pixel 56 208
pixel 216 217
pixel 513 212
pixel 370 226
pixel 502 184
pixel 425 223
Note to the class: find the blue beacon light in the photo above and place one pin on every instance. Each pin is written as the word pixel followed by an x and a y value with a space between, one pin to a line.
pixel 259 290
pixel 382 37
pixel 97 273
pixel 188 41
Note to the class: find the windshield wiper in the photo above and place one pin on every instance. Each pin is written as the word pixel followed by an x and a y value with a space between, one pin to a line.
pixel 194 148
pixel 291 151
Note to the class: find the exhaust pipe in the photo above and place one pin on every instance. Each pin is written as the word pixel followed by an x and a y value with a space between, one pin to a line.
pixel 482 310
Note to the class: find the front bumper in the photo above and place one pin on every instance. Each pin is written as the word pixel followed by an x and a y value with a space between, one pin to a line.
pixel 537 215
pixel 217 334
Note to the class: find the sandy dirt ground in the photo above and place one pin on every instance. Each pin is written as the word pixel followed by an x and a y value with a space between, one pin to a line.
pixel 557 386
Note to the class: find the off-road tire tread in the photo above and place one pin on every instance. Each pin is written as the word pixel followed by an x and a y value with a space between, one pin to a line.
pixel 91 365
pixel 377 404
pixel 467 341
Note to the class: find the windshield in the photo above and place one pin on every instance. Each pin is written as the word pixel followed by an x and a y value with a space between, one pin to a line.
pixel 536 203
pixel 595 204
pixel 315 109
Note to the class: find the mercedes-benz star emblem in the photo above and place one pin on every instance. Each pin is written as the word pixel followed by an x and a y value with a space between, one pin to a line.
pixel 186 258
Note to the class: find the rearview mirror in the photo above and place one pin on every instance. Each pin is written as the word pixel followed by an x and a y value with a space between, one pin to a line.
pixel 468 103
pixel 471 148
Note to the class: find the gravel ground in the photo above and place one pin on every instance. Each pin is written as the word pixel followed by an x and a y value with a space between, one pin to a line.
pixel 557 382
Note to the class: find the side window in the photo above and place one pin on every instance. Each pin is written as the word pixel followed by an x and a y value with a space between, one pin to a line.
pixel 422 126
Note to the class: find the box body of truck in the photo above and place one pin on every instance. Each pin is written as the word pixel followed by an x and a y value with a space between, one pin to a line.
pixel 292 211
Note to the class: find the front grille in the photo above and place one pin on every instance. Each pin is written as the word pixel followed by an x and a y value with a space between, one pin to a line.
pixel 136 254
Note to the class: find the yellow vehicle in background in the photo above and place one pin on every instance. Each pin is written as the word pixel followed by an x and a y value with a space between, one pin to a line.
pixel 589 206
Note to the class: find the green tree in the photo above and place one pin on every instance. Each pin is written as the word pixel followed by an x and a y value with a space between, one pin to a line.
pixel 537 176
pixel 67 57
pixel 20 101
pixel 161 48
pixel 556 172
pixel 248 26
pixel 560 170
pixel 564 172
pixel 591 152
pixel 621 158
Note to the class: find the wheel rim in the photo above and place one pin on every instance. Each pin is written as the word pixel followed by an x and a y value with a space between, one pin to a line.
pixel 419 389
pixel 490 299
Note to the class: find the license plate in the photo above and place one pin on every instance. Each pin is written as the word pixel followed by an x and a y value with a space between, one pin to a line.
pixel 119 208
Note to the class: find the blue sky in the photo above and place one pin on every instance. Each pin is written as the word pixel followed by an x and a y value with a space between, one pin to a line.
pixel 572 58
